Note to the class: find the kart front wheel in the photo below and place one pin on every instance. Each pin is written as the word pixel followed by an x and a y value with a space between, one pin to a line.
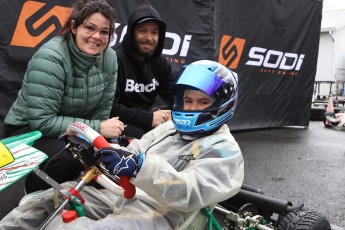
pixel 303 220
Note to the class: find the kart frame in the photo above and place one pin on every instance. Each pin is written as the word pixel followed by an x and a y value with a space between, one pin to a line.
pixel 249 209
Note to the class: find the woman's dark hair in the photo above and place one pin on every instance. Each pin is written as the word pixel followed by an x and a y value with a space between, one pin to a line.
pixel 83 9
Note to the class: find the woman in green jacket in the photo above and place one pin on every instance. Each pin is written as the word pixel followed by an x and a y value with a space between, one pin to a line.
pixel 70 78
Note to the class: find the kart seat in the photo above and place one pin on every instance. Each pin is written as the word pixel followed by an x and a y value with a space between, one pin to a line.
pixel 196 220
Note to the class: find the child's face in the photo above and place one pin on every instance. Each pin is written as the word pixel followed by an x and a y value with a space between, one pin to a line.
pixel 196 100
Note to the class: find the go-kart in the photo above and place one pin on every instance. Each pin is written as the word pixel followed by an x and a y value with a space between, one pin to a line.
pixel 250 209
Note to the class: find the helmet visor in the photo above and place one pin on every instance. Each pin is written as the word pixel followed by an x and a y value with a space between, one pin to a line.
pixel 200 78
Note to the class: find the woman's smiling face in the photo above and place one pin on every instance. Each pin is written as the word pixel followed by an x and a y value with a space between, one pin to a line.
pixel 92 36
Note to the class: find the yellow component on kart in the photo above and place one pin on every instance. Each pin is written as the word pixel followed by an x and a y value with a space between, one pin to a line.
pixel 6 156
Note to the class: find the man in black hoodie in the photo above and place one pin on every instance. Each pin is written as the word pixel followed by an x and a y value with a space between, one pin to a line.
pixel 144 75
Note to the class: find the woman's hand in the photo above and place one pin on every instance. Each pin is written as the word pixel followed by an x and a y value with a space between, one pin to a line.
pixel 160 116
pixel 111 128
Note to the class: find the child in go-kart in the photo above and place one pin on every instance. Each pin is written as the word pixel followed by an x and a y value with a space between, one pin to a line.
pixel 180 166
pixel 332 119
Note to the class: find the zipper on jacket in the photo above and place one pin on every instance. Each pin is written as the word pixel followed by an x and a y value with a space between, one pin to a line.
pixel 87 73
pixel 86 91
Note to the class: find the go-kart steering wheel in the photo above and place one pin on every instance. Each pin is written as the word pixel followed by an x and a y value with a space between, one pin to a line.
pixel 98 141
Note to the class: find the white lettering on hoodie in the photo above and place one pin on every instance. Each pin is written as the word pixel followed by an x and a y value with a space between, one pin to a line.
pixel 132 86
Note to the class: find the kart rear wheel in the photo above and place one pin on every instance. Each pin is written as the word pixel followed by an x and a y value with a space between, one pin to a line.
pixel 303 220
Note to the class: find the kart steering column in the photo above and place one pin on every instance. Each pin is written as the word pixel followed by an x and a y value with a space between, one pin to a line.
pixel 90 174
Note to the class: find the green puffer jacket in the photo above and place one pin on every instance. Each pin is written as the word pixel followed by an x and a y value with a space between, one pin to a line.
pixel 62 85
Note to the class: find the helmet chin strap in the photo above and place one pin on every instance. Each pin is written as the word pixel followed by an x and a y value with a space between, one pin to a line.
pixel 186 137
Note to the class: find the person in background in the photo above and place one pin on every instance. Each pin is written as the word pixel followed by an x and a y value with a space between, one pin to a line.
pixel 183 165
pixel 332 119
pixel 144 75
pixel 70 78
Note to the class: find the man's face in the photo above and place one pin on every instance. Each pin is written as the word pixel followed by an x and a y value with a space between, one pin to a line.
pixel 196 100
pixel 146 36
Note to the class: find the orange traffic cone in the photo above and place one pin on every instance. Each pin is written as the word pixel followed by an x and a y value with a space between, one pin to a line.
pixel 330 108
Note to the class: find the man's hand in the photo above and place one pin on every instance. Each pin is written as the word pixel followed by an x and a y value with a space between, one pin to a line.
pixel 120 162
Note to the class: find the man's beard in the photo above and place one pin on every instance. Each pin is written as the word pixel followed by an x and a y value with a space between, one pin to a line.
pixel 144 54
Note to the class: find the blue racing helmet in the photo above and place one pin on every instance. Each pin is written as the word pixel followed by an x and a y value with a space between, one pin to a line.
pixel 215 80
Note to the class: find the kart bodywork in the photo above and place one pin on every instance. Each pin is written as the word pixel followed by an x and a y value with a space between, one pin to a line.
pixel 25 158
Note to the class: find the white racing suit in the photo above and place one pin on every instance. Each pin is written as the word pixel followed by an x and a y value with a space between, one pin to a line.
pixel 176 178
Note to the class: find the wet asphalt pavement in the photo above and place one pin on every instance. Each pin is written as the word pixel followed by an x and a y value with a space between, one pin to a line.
pixel 301 165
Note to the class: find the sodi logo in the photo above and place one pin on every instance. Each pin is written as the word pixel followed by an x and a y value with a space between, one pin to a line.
pixel 269 61
pixel 37 21
pixel 230 51
pixel 275 61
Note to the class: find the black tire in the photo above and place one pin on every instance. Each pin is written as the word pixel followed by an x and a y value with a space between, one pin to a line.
pixel 317 113
pixel 303 220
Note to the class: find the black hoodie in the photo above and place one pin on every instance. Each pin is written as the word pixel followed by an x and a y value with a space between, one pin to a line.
pixel 139 82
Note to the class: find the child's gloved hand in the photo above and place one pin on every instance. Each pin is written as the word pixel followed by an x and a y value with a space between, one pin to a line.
pixel 120 162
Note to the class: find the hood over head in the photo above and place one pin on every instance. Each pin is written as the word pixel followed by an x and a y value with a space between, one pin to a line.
pixel 145 12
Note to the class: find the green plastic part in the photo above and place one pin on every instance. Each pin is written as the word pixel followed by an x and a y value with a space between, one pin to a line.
pixel 26 138
pixel 212 222
pixel 77 205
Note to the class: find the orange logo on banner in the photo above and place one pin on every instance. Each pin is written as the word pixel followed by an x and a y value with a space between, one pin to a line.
pixel 22 36
pixel 230 51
